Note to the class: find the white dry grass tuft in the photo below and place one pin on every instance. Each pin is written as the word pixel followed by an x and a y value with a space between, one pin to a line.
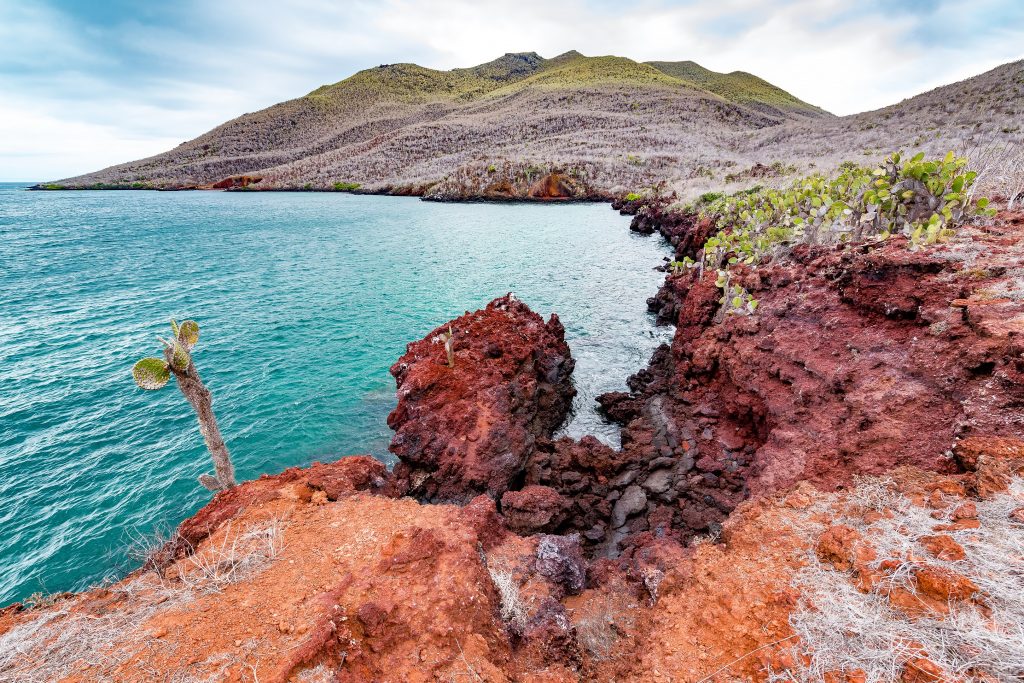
pixel 841 629
pixel 237 556
pixel 317 674
pixel 59 643
pixel 604 622
pixel 513 608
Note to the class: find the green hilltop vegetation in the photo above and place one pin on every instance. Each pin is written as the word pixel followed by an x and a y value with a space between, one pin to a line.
pixel 411 83
pixel 737 86
pixel 592 126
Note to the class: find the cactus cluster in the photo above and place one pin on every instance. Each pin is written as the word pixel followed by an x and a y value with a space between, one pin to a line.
pixel 925 200
pixel 154 373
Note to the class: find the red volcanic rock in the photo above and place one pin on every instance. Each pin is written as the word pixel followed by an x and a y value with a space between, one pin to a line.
pixel 555 186
pixel 943 547
pixel 923 670
pixel 235 181
pixel 858 361
pixel 468 429
pixel 534 508
pixel 335 479
pixel 837 546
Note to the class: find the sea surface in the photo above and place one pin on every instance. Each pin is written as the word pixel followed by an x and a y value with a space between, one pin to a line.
pixel 304 301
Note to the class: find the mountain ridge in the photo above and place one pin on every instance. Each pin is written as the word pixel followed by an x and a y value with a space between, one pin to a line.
pixel 614 124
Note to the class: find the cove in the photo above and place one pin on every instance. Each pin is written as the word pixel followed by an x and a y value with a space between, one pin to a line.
pixel 305 300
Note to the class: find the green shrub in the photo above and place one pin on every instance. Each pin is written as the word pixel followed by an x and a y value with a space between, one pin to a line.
pixel 346 187
pixel 924 200
pixel 633 196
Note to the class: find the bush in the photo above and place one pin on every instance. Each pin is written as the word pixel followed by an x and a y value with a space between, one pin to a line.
pixel 924 200
pixel 633 196
pixel 346 187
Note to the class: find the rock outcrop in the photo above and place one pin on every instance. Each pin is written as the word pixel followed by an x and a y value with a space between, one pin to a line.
pixel 514 181
pixel 832 489
pixel 468 428
pixel 858 361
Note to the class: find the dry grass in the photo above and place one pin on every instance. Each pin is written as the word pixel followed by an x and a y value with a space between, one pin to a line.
pixel 514 611
pixel 235 557
pixel 71 640
pixel 317 674
pixel 601 623
pixel 842 629
pixel 630 125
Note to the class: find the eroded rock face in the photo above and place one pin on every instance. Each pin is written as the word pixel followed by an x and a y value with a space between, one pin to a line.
pixel 468 429
pixel 858 361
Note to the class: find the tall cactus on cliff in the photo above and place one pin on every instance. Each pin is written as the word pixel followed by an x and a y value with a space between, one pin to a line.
pixel 154 373
pixel 449 347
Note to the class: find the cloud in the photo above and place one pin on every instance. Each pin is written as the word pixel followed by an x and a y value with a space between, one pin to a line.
pixel 89 84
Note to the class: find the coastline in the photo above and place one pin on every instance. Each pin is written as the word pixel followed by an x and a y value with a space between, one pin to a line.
pixel 694 529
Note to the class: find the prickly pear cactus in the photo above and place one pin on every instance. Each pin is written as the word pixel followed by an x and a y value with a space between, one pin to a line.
pixel 154 373
pixel 179 355
pixel 188 334
pixel 151 373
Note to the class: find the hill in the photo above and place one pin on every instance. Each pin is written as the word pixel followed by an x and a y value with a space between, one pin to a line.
pixel 571 126
pixel 402 126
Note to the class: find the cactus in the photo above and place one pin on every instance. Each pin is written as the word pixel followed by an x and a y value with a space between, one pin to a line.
pixel 154 373
pixel 449 347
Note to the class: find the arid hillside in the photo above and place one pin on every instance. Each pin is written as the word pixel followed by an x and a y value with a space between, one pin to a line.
pixel 573 126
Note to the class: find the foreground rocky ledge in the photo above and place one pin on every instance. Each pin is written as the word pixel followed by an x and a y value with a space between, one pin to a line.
pixel 846 462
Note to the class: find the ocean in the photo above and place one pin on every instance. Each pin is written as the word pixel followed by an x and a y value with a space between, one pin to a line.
pixel 304 301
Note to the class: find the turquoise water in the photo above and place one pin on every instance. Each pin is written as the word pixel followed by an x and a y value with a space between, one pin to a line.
pixel 304 300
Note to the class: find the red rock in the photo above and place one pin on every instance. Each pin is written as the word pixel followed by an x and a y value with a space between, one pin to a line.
pixel 969 451
pixel 359 473
pixel 943 547
pixel 967 510
pixel 852 365
pixel 837 546
pixel 482 515
pixel 533 509
pixel 943 584
pixel 961 525
pixel 372 617
pixel 923 670
pixel 465 430
pixel 339 478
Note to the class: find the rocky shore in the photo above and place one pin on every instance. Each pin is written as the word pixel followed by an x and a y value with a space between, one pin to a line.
pixel 861 436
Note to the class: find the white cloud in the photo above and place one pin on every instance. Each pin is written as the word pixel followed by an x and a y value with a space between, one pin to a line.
pixel 35 144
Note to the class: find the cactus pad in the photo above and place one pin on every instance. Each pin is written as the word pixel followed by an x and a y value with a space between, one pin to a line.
pixel 188 334
pixel 151 373
pixel 179 357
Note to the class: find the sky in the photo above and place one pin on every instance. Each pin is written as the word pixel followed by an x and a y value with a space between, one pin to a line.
pixel 89 83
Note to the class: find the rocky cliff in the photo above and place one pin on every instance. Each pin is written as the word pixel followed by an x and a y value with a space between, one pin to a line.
pixel 847 461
